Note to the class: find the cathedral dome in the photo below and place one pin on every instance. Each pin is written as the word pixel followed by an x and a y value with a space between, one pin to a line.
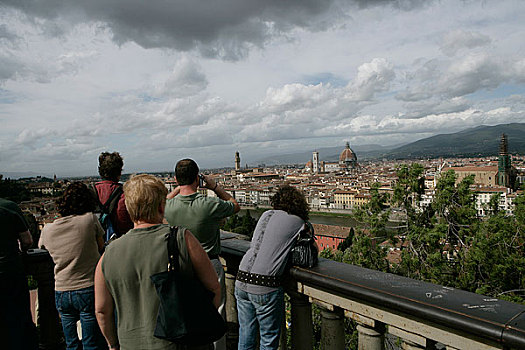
pixel 347 156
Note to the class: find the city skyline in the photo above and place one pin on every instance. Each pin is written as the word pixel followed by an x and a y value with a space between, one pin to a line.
pixel 160 82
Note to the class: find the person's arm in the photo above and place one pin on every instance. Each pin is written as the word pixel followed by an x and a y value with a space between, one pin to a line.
pixel 100 243
pixel 221 193
pixel 173 193
pixel 26 240
pixel 203 267
pixel 104 308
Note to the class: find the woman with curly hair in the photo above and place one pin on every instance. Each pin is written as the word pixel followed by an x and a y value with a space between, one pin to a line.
pixel 258 289
pixel 74 241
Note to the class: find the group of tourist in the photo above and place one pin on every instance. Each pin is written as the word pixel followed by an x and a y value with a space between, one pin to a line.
pixel 104 282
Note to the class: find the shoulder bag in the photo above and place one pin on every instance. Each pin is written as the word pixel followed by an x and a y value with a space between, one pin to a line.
pixel 186 314
pixel 305 251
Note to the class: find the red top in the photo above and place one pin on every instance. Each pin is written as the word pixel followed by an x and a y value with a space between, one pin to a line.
pixel 119 218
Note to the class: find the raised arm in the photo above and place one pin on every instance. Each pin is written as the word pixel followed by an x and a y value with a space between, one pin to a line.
pixel 173 193
pixel 104 308
pixel 221 192
pixel 203 267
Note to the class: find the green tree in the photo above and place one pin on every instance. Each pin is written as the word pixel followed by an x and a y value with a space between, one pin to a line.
pixel 494 264
pixel 438 235
pixel 14 191
pixel 244 225
pixel 348 240
pixel 362 247
pixel 492 206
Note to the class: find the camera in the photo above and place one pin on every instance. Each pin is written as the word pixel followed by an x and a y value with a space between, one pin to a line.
pixel 201 180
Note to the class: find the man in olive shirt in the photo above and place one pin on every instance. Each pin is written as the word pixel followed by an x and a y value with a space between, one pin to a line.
pixel 202 215
pixel 17 330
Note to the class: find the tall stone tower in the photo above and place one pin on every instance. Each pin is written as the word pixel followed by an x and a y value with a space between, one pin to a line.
pixel 504 163
pixel 237 161
pixel 315 162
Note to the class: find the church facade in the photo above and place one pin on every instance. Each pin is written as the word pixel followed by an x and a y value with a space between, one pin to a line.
pixel 347 163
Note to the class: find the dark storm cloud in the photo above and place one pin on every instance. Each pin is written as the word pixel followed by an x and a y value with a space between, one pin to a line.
pixel 401 4
pixel 6 36
pixel 225 29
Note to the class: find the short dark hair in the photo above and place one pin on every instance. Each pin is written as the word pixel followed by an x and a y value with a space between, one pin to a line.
pixel 186 171
pixel 110 165
pixel 291 200
pixel 77 199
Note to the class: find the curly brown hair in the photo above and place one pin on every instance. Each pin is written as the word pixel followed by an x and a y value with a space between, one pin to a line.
pixel 110 165
pixel 291 200
pixel 76 200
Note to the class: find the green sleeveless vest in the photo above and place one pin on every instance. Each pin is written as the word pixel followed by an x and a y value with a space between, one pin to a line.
pixel 127 266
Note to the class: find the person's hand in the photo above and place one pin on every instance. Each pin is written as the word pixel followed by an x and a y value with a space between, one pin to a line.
pixel 173 193
pixel 210 182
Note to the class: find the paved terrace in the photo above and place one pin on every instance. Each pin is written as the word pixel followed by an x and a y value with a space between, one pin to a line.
pixel 421 314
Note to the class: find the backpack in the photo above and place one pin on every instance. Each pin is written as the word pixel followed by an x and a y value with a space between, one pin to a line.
pixel 106 209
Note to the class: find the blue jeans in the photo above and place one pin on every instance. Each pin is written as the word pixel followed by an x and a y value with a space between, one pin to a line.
pixel 264 310
pixel 77 305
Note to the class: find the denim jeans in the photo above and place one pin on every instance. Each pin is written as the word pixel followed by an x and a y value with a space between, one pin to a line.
pixel 77 305
pixel 264 310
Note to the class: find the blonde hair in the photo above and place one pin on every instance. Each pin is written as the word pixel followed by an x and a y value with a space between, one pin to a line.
pixel 144 194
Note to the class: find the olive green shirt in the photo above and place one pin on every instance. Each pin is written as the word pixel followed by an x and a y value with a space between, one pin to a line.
pixel 201 215
pixel 127 266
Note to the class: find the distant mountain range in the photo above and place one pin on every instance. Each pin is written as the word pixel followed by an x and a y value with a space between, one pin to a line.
pixel 478 141
pixel 22 174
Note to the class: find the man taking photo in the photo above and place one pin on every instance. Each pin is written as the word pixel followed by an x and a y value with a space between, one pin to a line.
pixel 202 215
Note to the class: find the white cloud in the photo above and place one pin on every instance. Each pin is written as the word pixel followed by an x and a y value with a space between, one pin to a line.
pixel 456 40
pixel 372 77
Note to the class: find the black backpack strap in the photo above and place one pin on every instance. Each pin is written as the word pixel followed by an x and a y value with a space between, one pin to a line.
pixel 173 249
pixel 93 188
pixel 112 201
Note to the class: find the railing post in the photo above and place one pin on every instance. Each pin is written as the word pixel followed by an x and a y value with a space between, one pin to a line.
pixel 302 325
pixel 332 329
pixel 231 305
pixel 232 322
pixel 370 338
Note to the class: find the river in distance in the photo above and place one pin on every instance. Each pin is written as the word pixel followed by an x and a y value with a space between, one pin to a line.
pixel 337 220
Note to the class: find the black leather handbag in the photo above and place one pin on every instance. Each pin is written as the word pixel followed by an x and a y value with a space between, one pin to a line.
pixel 186 315
pixel 305 251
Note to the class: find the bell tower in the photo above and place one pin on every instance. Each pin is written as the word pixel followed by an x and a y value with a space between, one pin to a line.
pixel 237 161
pixel 504 163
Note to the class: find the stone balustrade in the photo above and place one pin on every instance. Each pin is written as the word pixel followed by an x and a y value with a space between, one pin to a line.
pixel 419 314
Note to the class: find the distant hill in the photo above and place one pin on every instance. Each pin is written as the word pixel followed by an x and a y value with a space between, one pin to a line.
pixel 17 175
pixel 478 141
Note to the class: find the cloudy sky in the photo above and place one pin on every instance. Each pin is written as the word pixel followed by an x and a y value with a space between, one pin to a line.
pixel 161 80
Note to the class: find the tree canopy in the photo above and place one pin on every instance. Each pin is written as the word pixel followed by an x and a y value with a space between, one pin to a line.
pixel 445 242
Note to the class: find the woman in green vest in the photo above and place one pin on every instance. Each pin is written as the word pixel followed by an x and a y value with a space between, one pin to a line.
pixel 122 277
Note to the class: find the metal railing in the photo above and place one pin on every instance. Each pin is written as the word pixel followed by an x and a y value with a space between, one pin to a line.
pixel 420 314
